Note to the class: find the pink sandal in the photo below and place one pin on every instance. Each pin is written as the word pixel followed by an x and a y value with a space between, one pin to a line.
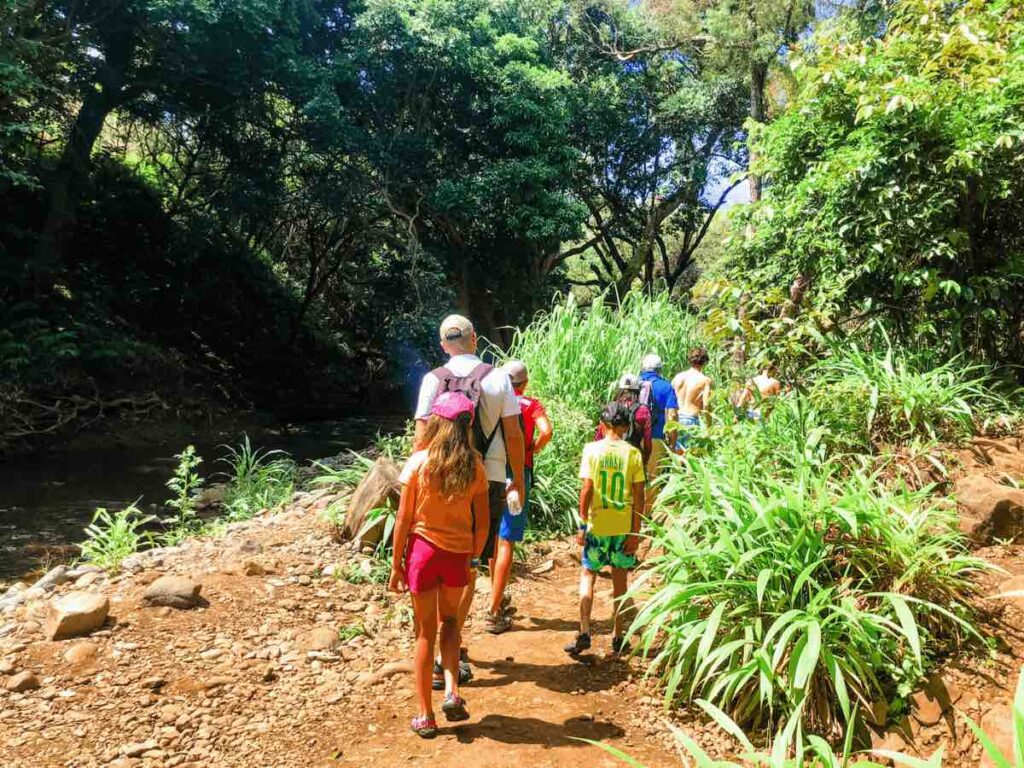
pixel 424 727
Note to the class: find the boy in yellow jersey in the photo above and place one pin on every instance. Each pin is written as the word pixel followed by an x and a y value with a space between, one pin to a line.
pixel 611 507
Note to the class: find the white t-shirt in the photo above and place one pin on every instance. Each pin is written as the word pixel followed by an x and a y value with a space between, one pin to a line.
pixel 497 400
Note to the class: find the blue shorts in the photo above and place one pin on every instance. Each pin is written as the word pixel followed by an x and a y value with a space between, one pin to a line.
pixel 684 435
pixel 513 527
pixel 601 551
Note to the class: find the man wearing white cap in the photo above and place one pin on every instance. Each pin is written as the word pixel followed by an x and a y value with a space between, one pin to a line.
pixel 498 434
pixel 664 408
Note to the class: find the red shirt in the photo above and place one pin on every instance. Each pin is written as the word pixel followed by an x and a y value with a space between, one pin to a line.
pixel 532 410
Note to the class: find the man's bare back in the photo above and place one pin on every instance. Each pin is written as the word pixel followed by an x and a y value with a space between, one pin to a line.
pixel 767 385
pixel 693 390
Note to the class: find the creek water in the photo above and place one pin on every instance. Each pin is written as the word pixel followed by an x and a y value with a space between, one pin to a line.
pixel 47 498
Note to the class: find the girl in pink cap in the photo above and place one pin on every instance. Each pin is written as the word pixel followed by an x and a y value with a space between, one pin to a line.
pixel 442 523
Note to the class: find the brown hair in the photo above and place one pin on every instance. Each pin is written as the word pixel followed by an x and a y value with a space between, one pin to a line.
pixel 451 457
pixel 698 356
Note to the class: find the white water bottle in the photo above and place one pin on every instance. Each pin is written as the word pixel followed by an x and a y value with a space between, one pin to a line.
pixel 515 504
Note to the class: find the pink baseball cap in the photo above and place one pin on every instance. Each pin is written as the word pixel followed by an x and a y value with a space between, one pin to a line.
pixel 451 405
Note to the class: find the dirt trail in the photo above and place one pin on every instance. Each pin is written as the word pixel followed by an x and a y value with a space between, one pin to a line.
pixel 246 680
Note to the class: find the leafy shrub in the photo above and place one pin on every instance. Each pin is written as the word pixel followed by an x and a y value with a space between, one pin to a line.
pixel 789 589
pixel 112 538
pixel 256 480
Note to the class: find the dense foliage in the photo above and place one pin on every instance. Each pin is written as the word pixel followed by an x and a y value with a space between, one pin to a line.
pixel 895 181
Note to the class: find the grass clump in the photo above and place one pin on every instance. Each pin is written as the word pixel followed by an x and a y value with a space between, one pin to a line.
pixel 791 589
pixel 110 538
pixel 256 479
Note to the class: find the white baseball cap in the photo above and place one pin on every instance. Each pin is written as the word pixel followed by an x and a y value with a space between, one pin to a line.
pixel 517 371
pixel 629 381
pixel 456 327
pixel 651 362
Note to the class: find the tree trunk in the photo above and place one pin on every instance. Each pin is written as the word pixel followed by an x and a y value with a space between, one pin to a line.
pixel 65 187
pixel 759 114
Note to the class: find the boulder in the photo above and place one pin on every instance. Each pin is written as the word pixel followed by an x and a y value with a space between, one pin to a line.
pixel 173 592
pixel 6 667
pixel 21 682
pixel 379 488
pixel 76 614
pixel 989 510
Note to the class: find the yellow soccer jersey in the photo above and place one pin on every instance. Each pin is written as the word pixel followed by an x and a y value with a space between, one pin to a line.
pixel 614 466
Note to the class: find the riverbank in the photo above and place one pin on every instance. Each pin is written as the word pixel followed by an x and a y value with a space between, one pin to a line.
pixel 47 497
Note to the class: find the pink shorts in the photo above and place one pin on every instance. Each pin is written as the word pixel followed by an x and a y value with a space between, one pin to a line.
pixel 427 566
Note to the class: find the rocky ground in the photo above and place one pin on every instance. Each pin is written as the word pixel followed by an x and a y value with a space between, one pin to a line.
pixel 271 646
pixel 282 661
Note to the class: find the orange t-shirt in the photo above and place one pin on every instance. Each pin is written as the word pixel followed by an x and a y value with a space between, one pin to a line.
pixel 445 523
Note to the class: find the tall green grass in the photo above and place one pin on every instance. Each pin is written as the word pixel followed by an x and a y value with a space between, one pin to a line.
pixel 791 588
pixel 576 355
pixel 256 479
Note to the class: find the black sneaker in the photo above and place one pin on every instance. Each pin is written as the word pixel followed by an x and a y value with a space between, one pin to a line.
pixel 620 647
pixel 580 644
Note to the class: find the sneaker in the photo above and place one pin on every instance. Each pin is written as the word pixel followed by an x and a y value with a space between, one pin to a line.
pixel 437 679
pixel 620 647
pixel 454 708
pixel 497 623
pixel 580 644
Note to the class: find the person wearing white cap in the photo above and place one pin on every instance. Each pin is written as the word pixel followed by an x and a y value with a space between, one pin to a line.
pixel 497 435
pixel 657 393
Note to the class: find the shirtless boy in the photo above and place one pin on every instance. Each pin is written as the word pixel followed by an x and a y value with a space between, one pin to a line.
pixel 762 387
pixel 693 391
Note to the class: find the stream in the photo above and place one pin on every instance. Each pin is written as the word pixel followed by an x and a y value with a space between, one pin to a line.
pixel 47 498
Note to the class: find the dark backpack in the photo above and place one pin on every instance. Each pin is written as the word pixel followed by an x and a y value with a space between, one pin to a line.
pixel 471 386
pixel 635 434
pixel 646 396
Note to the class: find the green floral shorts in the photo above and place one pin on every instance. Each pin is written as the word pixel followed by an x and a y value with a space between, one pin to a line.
pixel 601 551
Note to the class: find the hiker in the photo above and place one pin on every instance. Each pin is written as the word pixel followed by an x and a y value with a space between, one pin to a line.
pixel 496 432
pixel 658 395
pixel 758 391
pixel 638 433
pixel 537 432
pixel 693 392
pixel 611 508
pixel 444 491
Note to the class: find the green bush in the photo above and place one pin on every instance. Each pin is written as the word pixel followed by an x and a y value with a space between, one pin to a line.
pixel 791 589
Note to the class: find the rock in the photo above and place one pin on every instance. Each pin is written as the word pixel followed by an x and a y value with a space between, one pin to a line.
pixel 21 682
pixel 153 683
pixel 321 639
pixel 208 497
pixel 76 614
pixel 81 653
pixel 934 700
pixel 388 670
pixel 53 578
pixel 252 568
pixel 173 592
pixel 6 667
pixel 379 488
pixel 545 567
pixel 998 726
pixel 989 510
pixel 170 713
pixel 137 749
pixel 87 580
pixel 304 580
pixel 355 606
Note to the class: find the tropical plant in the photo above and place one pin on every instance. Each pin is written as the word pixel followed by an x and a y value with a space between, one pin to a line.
pixel 793 589
pixel 256 479
pixel 110 538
